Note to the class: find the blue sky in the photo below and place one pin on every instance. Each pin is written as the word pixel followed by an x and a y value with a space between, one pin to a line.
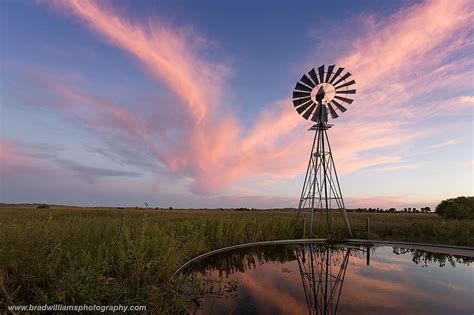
pixel 188 104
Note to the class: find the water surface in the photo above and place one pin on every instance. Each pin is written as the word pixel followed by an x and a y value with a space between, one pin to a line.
pixel 329 279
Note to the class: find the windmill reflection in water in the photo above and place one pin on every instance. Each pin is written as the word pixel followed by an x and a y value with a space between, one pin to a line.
pixel 322 271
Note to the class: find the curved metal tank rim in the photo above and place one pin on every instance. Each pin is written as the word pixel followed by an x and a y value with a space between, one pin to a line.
pixel 442 249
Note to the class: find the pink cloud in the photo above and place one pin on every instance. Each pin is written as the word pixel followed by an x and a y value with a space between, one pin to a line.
pixel 95 111
pixel 400 44
pixel 275 295
pixel 399 167
pixel 12 160
pixel 444 144
pixel 163 51
pixel 399 59
pixel 213 143
pixel 393 62
pixel 406 56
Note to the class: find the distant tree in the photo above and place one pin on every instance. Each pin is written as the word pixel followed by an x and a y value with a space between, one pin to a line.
pixel 171 208
pixel 242 209
pixel 392 210
pixel 456 208
pixel 44 206
pixel 426 209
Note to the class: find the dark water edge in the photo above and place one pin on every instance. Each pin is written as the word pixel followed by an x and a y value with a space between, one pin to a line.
pixel 331 278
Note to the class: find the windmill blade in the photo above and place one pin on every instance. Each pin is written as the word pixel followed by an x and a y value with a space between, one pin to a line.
pixel 343 78
pixel 309 111
pixel 330 69
pixel 298 94
pixel 346 100
pixel 333 113
pixel 302 87
pixel 303 107
pixel 300 101
pixel 339 106
pixel 345 84
pixel 346 92
pixel 313 76
pixel 321 73
pixel 338 72
pixel 307 81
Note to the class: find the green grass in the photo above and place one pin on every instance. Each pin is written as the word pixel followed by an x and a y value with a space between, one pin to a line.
pixel 103 256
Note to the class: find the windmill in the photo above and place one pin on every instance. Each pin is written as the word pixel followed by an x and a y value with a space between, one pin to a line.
pixel 316 96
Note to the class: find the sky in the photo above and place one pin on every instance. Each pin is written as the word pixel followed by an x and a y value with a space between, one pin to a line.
pixel 188 103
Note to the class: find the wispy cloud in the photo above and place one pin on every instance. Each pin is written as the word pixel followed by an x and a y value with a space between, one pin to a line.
pixel 19 157
pixel 404 69
pixel 398 63
pixel 16 159
pixel 212 138
pixel 444 144
pixel 93 172
pixel 166 53
pixel 399 167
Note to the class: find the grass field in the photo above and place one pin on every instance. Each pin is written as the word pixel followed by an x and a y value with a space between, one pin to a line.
pixel 126 256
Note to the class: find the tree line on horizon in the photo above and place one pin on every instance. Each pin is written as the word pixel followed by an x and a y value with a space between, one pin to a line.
pixel 392 210
pixel 454 208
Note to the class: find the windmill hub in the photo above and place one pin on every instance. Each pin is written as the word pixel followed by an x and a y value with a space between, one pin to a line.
pixel 316 95
pixel 323 93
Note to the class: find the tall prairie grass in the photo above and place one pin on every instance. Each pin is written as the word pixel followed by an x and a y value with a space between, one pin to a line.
pixel 66 255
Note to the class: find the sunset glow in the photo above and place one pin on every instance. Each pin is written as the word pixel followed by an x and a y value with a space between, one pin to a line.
pixel 115 103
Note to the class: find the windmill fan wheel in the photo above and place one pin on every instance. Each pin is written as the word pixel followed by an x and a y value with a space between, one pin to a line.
pixel 322 92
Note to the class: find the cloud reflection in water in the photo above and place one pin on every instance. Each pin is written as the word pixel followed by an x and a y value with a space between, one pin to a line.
pixel 329 279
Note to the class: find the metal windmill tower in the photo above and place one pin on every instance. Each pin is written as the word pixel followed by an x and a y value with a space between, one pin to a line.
pixel 316 95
